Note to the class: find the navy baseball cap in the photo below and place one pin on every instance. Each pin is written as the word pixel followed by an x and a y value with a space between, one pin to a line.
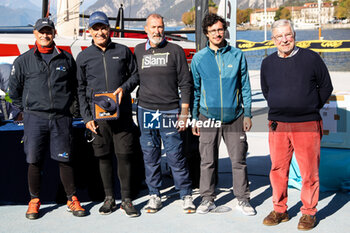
pixel 106 103
pixel 44 22
pixel 98 17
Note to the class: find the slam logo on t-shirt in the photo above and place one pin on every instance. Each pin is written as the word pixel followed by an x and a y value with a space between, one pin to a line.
pixel 155 60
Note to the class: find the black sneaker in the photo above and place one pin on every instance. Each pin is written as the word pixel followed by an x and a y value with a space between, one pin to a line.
pixel 129 208
pixel 108 206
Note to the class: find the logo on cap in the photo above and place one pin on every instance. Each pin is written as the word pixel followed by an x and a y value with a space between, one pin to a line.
pixel 43 22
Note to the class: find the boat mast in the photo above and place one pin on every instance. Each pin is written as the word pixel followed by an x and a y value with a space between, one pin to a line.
pixel 265 21
pixel 319 19
pixel 228 10
pixel 45 12
pixel 201 10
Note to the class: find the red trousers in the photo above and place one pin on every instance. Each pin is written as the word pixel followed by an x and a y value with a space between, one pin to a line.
pixel 304 139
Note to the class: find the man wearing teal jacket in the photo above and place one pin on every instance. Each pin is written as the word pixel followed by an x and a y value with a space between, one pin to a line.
pixel 222 94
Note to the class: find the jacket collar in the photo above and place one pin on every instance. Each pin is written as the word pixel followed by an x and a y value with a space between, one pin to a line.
pixel 161 45
pixel 295 50
pixel 109 43
pixel 55 52
pixel 223 49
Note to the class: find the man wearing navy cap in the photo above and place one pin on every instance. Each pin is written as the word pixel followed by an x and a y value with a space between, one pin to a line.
pixel 109 67
pixel 42 85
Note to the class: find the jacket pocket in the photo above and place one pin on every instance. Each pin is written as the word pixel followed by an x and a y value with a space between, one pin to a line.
pixel 36 92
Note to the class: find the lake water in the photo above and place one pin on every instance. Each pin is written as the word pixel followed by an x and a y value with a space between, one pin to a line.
pixel 339 61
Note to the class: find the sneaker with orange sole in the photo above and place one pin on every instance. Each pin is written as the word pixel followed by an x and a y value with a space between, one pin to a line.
pixel 33 209
pixel 75 207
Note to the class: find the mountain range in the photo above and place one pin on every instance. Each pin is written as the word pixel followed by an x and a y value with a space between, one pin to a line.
pixel 13 15
pixel 29 4
pixel 172 10
pixel 19 12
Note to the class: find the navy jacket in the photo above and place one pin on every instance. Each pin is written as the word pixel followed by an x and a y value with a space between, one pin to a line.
pixel 41 88
pixel 105 71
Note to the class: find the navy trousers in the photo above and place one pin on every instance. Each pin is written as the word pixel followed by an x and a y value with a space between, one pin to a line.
pixel 157 126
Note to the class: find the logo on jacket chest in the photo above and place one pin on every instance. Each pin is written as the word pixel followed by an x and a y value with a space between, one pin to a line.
pixel 155 60
pixel 61 68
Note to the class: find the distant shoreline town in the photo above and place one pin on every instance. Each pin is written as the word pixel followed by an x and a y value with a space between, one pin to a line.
pixel 308 16
pixel 323 26
pixel 246 27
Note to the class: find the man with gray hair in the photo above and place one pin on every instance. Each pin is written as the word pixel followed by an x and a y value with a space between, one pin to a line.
pixel 296 84
pixel 163 71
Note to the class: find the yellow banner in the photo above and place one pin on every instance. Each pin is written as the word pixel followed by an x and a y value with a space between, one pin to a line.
pixel 315 45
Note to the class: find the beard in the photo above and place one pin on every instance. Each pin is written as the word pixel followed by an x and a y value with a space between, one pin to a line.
pixel 155 38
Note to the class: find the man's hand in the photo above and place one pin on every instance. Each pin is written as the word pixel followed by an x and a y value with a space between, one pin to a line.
pixel 92 126
pixel 19 117
pixel 247 123
pixel 119 92
pixel 183 118
pixel 182 122
pixel 195 130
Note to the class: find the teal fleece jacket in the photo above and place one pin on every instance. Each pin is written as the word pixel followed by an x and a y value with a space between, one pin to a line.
pixel 221 84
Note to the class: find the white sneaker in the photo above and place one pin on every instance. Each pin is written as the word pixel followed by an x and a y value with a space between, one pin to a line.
pixel 188 205
pixel 246 208
pixel 205 207
pixel 154 204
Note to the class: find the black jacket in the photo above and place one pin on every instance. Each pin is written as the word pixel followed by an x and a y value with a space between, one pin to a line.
pixel 105 71
pixel 41 88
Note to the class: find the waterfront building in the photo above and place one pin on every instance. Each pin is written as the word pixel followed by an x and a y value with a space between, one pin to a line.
pixel 310 13
pixel 257 17
pixel 301 15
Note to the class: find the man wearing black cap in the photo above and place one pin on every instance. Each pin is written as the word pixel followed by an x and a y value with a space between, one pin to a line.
pixel 42 84
pixel 109 67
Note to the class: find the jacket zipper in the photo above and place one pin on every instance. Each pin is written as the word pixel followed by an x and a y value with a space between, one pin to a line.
pixel 105 67
pixel 219 66
pixel 27 100
pixel 205 100
pixel 49 85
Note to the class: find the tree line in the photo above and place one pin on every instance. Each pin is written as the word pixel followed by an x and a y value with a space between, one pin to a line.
pixel 342 11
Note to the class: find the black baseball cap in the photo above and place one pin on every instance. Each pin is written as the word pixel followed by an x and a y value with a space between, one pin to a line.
pixel 44 22
pixel 106 103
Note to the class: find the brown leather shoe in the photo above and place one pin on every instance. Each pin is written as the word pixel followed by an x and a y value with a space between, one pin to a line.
pixel 275 218
pixel 306 222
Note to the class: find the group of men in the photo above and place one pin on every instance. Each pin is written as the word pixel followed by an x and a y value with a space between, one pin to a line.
pixel 295 82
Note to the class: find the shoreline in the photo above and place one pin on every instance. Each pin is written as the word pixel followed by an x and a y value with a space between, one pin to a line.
pixel 259 28
pixel 323 27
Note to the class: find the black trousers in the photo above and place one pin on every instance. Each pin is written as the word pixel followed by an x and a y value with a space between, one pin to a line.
pixel 115 137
